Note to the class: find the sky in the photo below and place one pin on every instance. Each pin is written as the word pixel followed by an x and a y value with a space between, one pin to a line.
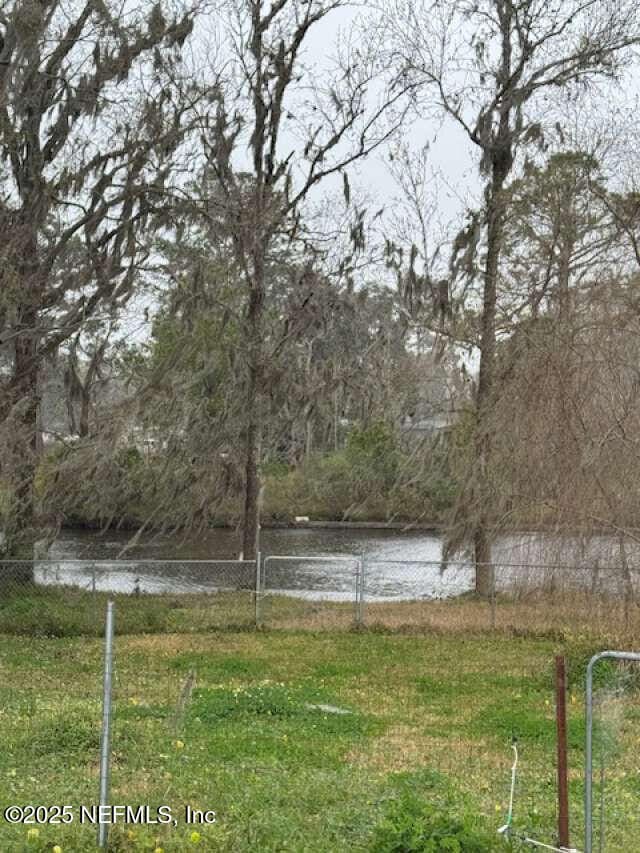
pixel 452 166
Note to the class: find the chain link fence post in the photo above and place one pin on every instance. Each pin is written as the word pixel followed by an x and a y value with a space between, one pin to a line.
pixel 561 752
pixel 363 580
pixel 588 751
pixel 105 741
pixel 259 591
pixel 492 596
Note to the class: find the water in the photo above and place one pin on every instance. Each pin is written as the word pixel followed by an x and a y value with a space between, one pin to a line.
pixel 324 566
pixel 321 562
pixel 224 544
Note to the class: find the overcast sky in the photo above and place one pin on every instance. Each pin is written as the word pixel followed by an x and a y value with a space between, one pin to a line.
pixel 452 159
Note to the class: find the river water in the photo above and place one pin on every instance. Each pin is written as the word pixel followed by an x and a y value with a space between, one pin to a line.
pixel 320 562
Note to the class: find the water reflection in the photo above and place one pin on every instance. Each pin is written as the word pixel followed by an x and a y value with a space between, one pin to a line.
pixel 398 565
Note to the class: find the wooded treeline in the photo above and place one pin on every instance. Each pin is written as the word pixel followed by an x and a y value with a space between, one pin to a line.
pixel 309 349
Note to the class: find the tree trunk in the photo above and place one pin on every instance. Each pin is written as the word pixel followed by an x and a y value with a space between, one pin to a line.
pixel 251 512
pixel 253 439
pixel 20 408
pixel 308 429
pixel 627 578
pixel 483 504
pixel 21 405
pixel 85 405
pixel 308 414
pixel 21 425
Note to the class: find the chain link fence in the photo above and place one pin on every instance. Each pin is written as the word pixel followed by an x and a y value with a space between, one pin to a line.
pixel 325 592
pixel 208 712
pixel 52 598
pixel 194 717
pixel 67 597
pixel 314 592
pixel 52 623
pixel 613 711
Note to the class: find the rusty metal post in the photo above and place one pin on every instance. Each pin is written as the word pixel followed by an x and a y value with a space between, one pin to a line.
pixel 561 730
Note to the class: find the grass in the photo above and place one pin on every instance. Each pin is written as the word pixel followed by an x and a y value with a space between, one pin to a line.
pixel 56 611
pixel 211 713
pixel 63 611
pixel 429 718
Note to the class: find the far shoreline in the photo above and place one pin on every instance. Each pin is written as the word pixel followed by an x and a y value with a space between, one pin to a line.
pixel 402 526
pixel 353 525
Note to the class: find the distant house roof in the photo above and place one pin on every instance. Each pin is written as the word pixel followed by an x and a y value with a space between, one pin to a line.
pixel 439 389
pixel 429 424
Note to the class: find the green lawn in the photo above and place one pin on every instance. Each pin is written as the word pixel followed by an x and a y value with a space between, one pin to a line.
pixel 238 723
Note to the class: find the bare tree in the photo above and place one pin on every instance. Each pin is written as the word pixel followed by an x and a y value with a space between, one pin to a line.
pixel 85 154
pixel 491 66
pixel 300 127
pixel 86 358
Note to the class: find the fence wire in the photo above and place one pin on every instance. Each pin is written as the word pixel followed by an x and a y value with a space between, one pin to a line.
pixel 312 592
pixel 323 592
pixel 57 598
pixel 251 724
pixel 256 710
pixel 613 704
pixel 67 597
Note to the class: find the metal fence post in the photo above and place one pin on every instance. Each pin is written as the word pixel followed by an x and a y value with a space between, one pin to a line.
pixel 105 741
pixel 363 575
pixel 588 752
pixel 492 596
pixel 561 751
pixel 259 583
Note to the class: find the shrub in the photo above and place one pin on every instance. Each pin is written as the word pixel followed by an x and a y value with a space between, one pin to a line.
pixel 414 826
